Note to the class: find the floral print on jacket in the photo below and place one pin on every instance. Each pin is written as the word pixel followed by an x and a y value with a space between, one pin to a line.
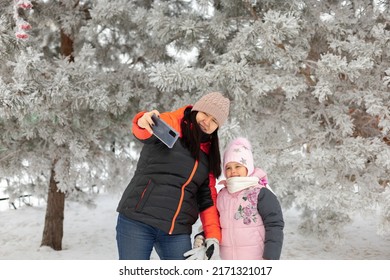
pixel 245 211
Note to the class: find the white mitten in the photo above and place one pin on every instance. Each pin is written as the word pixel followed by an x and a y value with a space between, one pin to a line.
pixel 212 249
pixel 198 253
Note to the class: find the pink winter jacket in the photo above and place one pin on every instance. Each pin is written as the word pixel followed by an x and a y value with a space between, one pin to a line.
pixel 244 222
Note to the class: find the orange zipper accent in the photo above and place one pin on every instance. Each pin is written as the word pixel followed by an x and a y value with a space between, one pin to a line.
pixel 142 195
pixel 182 197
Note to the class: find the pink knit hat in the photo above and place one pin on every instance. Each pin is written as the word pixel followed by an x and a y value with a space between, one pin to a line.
pixel 214 104
pixel 239 150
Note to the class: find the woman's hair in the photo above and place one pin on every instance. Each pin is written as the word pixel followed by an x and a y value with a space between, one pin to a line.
pixel 193 136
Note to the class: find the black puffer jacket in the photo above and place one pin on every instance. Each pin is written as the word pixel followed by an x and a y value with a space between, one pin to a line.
pixel 160 194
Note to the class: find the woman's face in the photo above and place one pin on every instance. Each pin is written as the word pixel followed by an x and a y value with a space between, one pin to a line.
pixel 207 123
pixel 235 169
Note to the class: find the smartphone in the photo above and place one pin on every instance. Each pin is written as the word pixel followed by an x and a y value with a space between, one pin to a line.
pixel 164 132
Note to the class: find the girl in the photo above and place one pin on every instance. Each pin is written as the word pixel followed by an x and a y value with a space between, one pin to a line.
pixel 250 214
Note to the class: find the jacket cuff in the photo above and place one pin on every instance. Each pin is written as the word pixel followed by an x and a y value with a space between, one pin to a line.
pixel 140 133
pixel 211 227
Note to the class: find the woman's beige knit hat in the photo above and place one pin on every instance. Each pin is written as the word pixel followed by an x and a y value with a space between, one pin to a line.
pixel 215 104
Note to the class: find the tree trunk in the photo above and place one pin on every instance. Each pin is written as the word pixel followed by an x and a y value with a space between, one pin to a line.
pixel 54 219
pixel 67 46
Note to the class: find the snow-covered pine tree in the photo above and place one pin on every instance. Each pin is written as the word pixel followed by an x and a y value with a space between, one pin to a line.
pixel 308 82
pixel 324 109
pixel 67 96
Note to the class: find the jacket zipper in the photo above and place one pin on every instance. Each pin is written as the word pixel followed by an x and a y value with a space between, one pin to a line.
pixel 143 193
pixel 182 197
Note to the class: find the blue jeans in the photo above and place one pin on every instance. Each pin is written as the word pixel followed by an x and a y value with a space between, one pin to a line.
pixel 135 241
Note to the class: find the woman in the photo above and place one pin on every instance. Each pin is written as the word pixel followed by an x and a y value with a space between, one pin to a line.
pixel 171 187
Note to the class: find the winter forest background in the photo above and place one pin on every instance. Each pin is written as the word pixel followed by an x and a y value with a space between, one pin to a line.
pixel 309 84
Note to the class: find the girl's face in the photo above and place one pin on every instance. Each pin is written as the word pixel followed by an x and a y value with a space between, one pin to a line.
pixel 235 169
pixel 207 123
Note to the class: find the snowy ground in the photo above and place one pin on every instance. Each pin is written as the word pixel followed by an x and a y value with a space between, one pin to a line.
pixel 89 234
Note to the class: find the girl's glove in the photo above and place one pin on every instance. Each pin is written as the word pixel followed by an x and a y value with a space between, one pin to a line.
pixel 212 249
pixel 198 253
pixel 207 251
